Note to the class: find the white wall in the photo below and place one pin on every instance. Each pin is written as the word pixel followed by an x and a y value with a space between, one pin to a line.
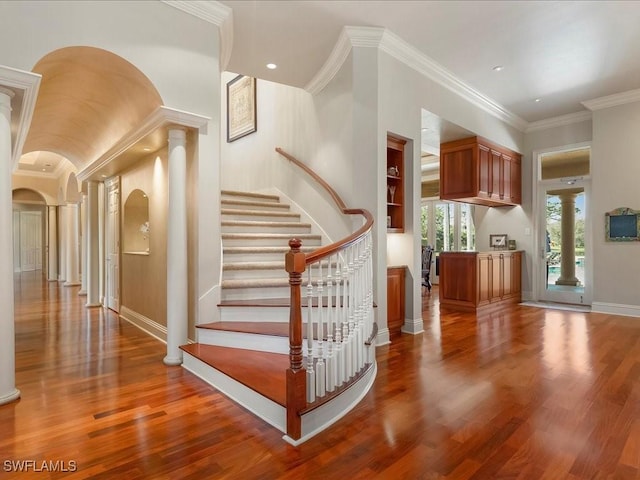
pixel 615 171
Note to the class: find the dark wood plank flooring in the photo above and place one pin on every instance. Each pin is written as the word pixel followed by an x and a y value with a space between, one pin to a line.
pixel 526 393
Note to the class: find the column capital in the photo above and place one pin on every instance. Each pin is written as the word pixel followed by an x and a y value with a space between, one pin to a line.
pixel 177 134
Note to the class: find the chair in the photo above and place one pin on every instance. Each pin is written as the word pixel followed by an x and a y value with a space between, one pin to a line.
pixel 427 254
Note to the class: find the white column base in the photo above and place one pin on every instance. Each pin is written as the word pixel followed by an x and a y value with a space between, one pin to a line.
pixel 92 305
pixel 10 397
pixel 82 293
pixel 172 361
pixel 70 284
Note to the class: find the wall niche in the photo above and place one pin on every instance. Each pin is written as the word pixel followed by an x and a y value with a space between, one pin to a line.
pixel 136 229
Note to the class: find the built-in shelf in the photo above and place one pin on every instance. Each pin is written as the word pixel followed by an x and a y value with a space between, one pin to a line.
pixel 395 184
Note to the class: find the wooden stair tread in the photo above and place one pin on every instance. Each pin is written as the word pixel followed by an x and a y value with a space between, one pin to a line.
pixel 263 372
pixel 277 329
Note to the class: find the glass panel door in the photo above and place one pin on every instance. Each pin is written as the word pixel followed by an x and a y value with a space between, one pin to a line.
pixel 564 255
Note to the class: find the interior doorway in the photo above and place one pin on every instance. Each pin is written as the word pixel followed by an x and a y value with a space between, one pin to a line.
pixel 564 269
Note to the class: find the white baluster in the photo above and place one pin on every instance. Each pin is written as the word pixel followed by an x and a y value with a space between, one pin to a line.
pixel 331 363
pixel 321 389
pixel 311 381
pixel 338 309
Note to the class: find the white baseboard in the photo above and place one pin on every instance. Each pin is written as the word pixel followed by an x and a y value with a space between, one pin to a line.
pixel 143 323
pixel 616 309
pixel 383 337
pixel 413 326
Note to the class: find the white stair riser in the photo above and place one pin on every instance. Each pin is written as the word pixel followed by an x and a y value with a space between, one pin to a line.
pixel 246 341
pixel 249 197
pixel 255 257
pixel 260 217
pixel 255 293
pixel 275 228
pixel 249 274
pixel 267 242
pixel 249 313
pixel 266 206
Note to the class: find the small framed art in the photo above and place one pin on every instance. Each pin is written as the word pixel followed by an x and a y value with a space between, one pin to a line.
pixel 241 107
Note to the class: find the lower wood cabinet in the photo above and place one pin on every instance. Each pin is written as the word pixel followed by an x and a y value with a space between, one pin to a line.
pixel 471 281
pixel 395 298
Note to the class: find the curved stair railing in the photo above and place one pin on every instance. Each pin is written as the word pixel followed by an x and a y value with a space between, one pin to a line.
pixel 338 329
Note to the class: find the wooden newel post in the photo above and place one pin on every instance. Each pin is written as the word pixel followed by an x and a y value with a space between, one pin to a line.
pixel 296 375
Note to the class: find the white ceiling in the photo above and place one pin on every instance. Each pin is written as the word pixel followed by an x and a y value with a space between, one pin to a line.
pixel 562 52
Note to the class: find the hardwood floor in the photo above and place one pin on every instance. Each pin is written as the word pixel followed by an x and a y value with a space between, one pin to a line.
pixel 526 393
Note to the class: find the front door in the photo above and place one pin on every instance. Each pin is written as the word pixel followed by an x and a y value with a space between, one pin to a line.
pixel 30 241
pixel 564 255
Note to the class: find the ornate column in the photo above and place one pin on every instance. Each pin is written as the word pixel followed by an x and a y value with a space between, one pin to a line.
pixel 93 259
pixel 177 308
pixel 52 268
pixel 8 390
pixel 72 238
pixel 83 245
pixel 568 243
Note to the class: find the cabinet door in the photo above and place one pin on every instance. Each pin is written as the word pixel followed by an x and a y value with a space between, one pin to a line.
pixel 516 181
pixel 516 273
pixel 505 192
pixel 497 180
pixel 496 263
pixel 507 275
pixel 395 299
pixel 484 171
pixel 484 280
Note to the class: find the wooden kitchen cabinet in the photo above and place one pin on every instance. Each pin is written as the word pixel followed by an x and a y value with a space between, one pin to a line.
pixel 474 281
pixel 475 170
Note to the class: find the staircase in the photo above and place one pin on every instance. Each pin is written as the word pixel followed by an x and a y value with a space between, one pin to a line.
pixel 254 354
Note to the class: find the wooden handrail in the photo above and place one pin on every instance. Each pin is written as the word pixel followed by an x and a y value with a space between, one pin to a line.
pixel 345 242
pixel 296 263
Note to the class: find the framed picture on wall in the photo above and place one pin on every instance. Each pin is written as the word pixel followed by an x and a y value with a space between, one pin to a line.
pixel 498 241
pixel 241 107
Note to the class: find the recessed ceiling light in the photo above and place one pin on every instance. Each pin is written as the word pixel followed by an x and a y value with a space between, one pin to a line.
pixel 44 169
pixel 538 100
pixel 47 164
pixel 146 149
pixel 103 176
pixel 498 68
pixel 271 66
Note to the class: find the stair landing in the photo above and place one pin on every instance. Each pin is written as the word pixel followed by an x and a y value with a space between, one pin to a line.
pixel 263 372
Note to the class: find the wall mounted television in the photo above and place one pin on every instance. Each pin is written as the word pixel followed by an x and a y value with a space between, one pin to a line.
pixel 622 225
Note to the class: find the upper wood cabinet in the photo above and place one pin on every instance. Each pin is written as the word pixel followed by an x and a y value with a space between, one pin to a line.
pixel 475 170
pixel 395 184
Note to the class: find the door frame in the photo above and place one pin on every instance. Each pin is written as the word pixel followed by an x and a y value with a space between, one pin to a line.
pixel 112 186
pixel 539 222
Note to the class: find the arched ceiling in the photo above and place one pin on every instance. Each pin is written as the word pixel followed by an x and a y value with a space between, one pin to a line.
pixel 88 100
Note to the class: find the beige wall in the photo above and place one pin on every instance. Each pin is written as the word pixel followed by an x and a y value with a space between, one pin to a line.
pixel 144 277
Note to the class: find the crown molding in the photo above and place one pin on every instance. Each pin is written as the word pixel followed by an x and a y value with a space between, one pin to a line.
pixel 414 58
pixel 215 13
pixel 559 121
pixel 614 100
pixel 25 87
pixel 393 45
